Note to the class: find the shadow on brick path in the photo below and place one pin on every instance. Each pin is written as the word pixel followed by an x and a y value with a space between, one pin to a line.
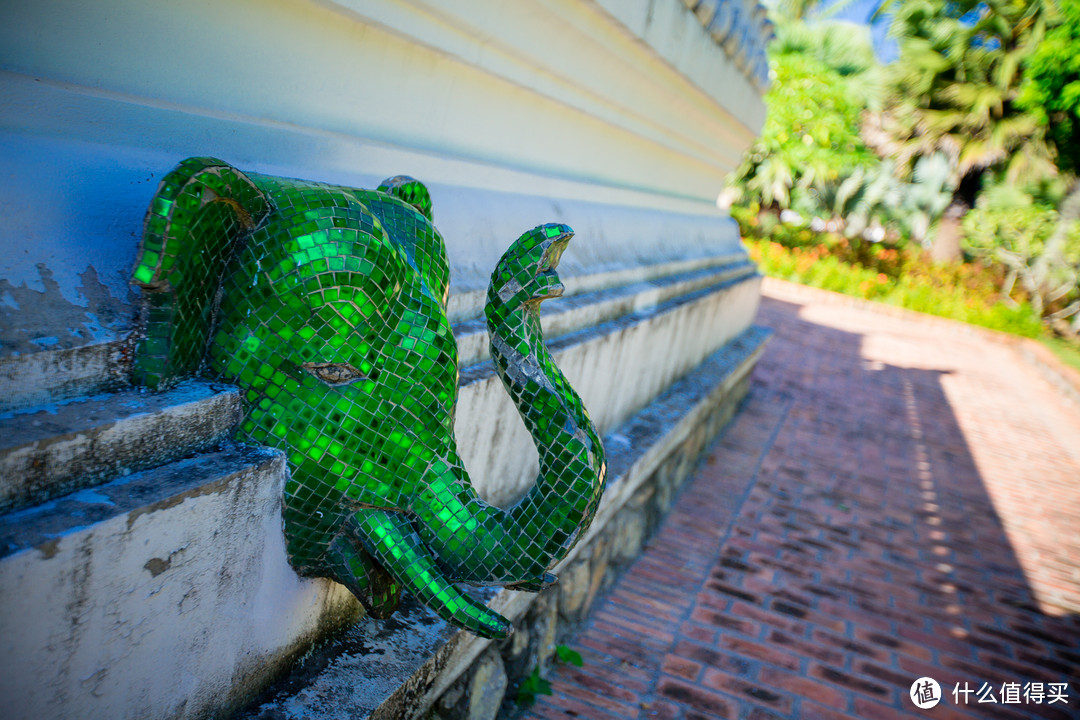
pixel 896 499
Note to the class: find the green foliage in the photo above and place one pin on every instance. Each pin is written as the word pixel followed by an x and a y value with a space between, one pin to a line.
pixel 568 655
pixel 1008 222
pixel 953 89
pixel 992 85
pixel 876 196
pixel 903 278
pixel 810 140
pixel 1051 86
pixel 982 89
pixel 532 686
pixel 865 196
pixel 1011 228
pixel 1067 352
pixel 786 10
pixel 795 9
pixel 843 47
pixel 927 195
pixel 811 157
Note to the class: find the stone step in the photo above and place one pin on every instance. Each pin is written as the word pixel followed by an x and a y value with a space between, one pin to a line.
pixel 619 367
pixel 53 376
pixel 167 592
pixel 468 304
pixel 58 376
pixel 588 308
pixel 74 445
pixel 62 448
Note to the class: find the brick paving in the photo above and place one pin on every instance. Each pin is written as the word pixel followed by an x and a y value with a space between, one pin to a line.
pixel 897 498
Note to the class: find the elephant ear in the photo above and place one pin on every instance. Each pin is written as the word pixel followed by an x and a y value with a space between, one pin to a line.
pixel 202 211
pixel 411 191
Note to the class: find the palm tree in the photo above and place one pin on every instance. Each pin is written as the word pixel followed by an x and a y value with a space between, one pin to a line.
pixel 953 91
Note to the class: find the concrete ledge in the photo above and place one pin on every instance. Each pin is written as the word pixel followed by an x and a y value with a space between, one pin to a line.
pixel 52 452
pixel 63 448
pixel 163 594
pixel 619 367
pixel 401 668
pixel 588 307
pixel 45 526
pixel 468 305
pixel 167 593
pixel 35 379
pixel 53 376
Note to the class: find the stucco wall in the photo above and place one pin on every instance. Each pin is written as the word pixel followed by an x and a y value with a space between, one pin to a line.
pixel 514 113
pixel 618 117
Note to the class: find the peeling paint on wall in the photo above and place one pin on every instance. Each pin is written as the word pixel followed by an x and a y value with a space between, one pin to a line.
pixel 31 320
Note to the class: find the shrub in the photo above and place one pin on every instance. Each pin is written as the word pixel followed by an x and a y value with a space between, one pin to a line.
pixel 1010 228
pixel 965 292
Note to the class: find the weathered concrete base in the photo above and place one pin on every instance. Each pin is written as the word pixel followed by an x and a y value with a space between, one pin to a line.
pixel 107 594
pixel 417 666
pixel 58 375
pixel 166 593
pixel 55 451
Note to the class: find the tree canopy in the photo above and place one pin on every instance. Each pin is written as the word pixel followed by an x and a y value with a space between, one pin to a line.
pixel 954 88
pixel 811 134
pixel 1051 86
pixel 979 115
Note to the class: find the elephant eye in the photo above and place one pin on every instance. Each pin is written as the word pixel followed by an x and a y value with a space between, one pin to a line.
pixel 334 374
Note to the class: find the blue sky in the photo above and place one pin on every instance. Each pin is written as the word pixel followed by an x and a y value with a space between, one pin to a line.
pixel 860 11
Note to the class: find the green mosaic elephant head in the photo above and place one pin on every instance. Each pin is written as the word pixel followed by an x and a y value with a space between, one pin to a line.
pixel 326 305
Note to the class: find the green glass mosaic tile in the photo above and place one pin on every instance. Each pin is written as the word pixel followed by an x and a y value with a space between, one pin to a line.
pixel 327 306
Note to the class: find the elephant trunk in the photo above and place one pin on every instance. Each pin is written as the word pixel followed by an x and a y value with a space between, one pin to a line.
pixel 561 504
pixel 477 542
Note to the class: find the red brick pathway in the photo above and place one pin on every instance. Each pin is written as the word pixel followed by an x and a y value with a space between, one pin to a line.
pixel 898 498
